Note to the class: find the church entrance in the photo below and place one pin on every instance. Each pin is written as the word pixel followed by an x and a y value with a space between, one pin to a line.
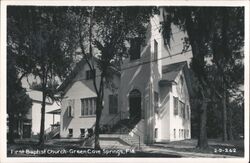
pixel 135 105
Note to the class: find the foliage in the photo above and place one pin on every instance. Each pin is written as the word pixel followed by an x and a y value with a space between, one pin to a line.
pixel 216 35
pixel 18 102
pixel 103 35
pixel 39 38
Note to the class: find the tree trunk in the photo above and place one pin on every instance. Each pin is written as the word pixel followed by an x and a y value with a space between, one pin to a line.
pixel 202 140
pixel 230 127
pixel 41 138
pixel 97 124
pixel 11 129
pixel 224 115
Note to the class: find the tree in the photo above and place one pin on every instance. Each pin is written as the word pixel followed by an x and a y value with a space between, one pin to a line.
pixel 102 36
pixel 39 39
pixel 18 102
pixel 227 46
pixel 208 31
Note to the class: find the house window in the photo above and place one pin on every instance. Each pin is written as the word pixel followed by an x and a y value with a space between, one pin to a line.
pixel 88 106
pixel 70 132
pixel 182 109
pixel 156 132
pixel 90 132
pixel 90 74
pixel 155 50
pixel 82 130
pixel 187 133
pixel 70 111
pixel 184 112
pixel 188 112
pixel 182 133
pixel 174 133
pixel 179 133
pixel 135 49
pixel 176 105
pixel 113 104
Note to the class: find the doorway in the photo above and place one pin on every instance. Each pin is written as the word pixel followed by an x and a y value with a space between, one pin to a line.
pixel 135 105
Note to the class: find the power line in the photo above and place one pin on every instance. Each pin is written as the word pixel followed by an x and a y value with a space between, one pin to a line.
pixel 143 63
pixel 147 62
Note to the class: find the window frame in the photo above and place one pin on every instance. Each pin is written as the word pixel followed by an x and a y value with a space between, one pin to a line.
pixel 135 48
pixel 113 103
pixel 155 50
pixel 90 74
pixel 88 104
pixel 176 105
pixel 70 130
pixel 69 110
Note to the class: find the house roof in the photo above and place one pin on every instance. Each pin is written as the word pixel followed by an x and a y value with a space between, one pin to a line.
pixel 57 111
pixel 75 71
pixel 170 72
pixel 37 96
pixel 72 75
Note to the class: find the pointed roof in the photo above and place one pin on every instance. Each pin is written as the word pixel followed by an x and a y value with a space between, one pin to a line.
pixel 36 96
pixel 56 111
pixel 170 72
pixel 78 67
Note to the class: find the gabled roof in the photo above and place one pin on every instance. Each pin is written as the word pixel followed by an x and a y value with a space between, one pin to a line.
pixel 170 72
pixel 36 96
pixel 78 67
pixel 57 111
pixel 72 75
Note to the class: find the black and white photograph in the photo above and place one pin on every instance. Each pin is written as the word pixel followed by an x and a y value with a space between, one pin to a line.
pixel 125 81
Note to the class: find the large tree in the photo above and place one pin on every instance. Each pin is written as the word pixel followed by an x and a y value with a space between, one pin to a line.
pixel 18 102
pixel 39 39
pixel 103 37
pixel 215 39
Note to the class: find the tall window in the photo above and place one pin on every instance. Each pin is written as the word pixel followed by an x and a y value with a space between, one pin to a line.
pixel 155 50
pixel 70 108
pixel 135 49
pixel 90 74
pixel 188 112
pixel 82 130
pixel 182 109
pixel 156 132
pixel 113 104
pixel 88 106
pixel 176 101
pixel 174 133
pixel 156 99
pixel 70 132
pixel 70 111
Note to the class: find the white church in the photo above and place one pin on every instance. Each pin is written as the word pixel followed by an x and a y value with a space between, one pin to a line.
pixel 151 103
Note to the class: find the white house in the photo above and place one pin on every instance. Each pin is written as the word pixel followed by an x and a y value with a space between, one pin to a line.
pixel 152 93
pixel 35 112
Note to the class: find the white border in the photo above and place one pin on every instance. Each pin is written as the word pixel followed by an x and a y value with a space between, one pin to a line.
pixel 4 3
